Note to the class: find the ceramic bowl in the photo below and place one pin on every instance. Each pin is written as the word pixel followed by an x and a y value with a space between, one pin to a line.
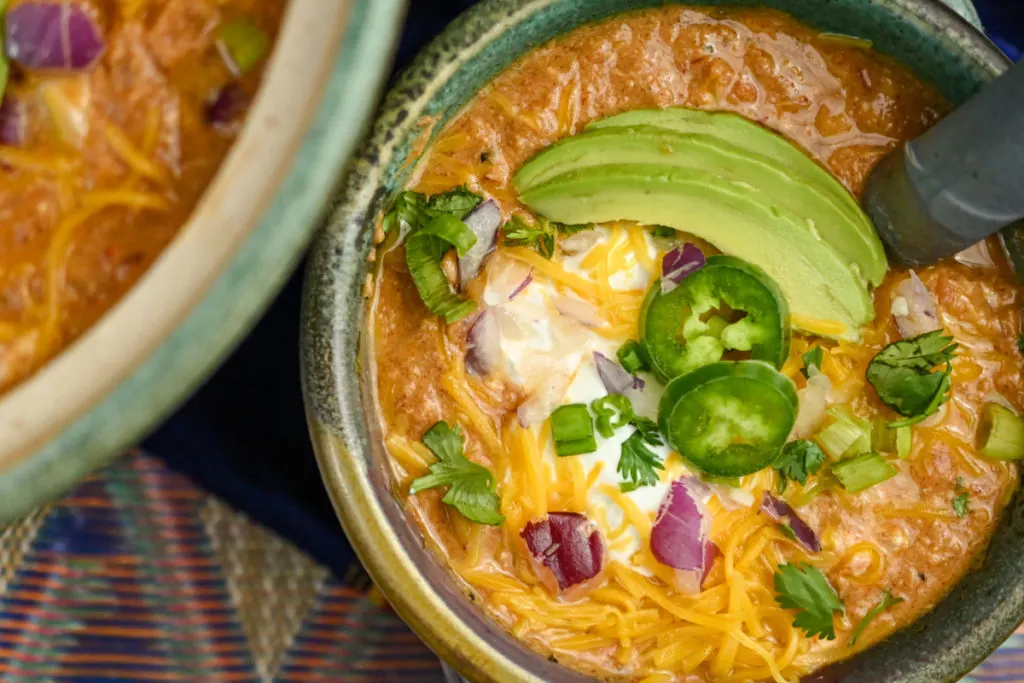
pixel 937 43
pixel 228 262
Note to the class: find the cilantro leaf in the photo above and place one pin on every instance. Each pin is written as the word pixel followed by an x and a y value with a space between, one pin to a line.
pixel 648 430
pixel 638 464
pixel 409 208
pixel 962 504
pixel 457 203
pixel 799 459
pixel 471 486
pixel 813 358
pixel 902 375
pixel 888 600
pixel 567 230
pixel 806 589
pixel 539 236
pixel 787 531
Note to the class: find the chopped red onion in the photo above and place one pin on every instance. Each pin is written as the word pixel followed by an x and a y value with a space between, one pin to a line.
pixel 521 286
pixel 52 35
pixel 913 307
pixel 484 221
pixel 12 122
pixel 680 533
pixel 226 107
pixel 679 264
pixel 614 377
pixel 566 544
pixel 780 511
pixel 483 345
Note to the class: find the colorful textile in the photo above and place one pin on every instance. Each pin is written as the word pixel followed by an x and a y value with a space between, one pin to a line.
pixel 139 575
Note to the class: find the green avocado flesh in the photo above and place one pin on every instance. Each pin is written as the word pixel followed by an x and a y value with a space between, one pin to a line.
pixel 744 189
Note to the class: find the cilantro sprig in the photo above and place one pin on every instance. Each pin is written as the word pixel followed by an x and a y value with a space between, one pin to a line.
pixel 638 464
pixel 798 460
pixel 962 499
pixel 541 235
pixel 888 600
pixel 471 486
pixel 416 209
pixel 805 589
pixel 905 378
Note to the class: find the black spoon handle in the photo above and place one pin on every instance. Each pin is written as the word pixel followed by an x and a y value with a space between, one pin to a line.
pixel 958 183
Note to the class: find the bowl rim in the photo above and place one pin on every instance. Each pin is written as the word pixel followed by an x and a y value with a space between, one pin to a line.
pixel 94 399
pixel 335 402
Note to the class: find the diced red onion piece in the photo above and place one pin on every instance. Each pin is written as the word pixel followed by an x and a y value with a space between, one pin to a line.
pixel 566 544
pixel 484 221
pixel 614 377
pixel 780 511
pixel 977 256
pixel 913 307
pixel 12 122
pixel 522 286
pixel 679 264
pixel 814 399
pixel 227 106
pixel 483 345
pixel 52 35
pixel 680 533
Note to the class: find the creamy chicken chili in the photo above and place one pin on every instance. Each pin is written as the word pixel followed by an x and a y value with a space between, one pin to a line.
pixel 647 381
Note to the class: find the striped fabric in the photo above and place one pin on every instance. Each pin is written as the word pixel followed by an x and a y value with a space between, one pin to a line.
pixel 140 576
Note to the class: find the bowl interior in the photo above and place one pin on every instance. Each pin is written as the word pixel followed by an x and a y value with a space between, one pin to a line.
pixel 244 238
pixel 940 46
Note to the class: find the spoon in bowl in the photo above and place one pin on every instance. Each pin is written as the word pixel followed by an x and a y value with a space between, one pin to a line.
pixel 957 184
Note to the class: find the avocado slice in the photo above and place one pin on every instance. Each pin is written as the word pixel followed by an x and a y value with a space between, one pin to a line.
pixel 732 215
pixel 747 135
pixel 813 200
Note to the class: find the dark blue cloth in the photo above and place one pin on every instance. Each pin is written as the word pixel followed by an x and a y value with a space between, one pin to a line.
pixel 243 435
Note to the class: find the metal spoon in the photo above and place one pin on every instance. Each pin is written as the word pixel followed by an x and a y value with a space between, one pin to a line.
pixel 958 183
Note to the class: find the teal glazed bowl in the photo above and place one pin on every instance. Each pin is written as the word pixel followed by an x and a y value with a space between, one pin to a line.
pixel 936 42
pixel 227 263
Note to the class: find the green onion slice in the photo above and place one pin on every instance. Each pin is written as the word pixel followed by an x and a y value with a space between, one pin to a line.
pixel 632 358
pixel 863 472
pixel 573 430
pixel 242 44
pixel 613 411
pixel 423 252
pixel 1001 436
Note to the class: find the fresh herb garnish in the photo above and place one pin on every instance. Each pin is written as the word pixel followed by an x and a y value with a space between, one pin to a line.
pixel 888 600
pixel 902 375
pixel 961 504
pixel 961 501
pixel 435 225
pixel 806 589
pixel 539 235
pixel 612 411
pixel 663 231
pixel 471 485
pixel 1020 343
pixel 638 464
pixel 416 210
pixel 649 430
pixel 813 358
pixel 423 252
pixel 787 531
pixel 799 459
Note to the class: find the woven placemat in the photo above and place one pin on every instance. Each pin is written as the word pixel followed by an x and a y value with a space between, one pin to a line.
pixel 138 575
